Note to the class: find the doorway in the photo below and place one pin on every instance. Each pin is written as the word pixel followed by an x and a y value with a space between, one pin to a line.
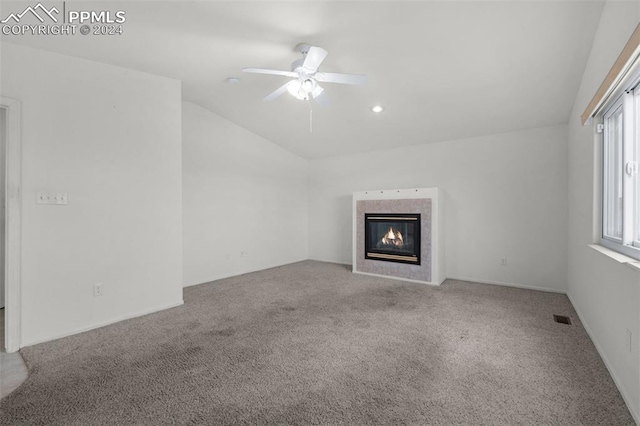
pixel 3 144
pixel 10 220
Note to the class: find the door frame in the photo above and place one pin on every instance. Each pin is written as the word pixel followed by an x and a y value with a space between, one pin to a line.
pixel 13 226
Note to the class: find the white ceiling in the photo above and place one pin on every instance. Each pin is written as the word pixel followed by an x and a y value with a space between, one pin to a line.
pixel 442 70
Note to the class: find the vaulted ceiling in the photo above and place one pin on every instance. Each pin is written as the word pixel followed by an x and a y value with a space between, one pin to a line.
pixel 442 70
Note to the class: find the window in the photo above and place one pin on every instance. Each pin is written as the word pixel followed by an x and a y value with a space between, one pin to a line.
pixel 616 107
pixel 620 132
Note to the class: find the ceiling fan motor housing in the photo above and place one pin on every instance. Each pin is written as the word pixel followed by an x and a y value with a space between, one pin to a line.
pixel 296 66
pixel 303 48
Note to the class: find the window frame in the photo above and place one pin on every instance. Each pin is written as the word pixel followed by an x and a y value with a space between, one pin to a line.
pixel 635 156
pixel 618 105
pixel 629 101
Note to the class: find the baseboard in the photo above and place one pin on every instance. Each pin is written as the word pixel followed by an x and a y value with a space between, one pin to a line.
pixel 473 280
pixel 607 364
pixel 222 277
pixel 103 324
pixel 504 284
pixel 350 264
pixel 526 287
pixel 339 262
pixel 397 278
pixel 199 282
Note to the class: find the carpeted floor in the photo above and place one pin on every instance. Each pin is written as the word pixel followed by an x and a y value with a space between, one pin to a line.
pixel 311 343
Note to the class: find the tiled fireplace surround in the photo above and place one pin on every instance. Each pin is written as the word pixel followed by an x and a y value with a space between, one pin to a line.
pixel 423 201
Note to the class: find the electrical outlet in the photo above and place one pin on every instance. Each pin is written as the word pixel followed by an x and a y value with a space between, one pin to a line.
pixel 629 340
pixel 59 198
pixel 42 198
pixel 503 261
pixel 97 290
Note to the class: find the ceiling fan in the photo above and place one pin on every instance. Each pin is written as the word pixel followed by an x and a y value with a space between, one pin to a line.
pixel 306 76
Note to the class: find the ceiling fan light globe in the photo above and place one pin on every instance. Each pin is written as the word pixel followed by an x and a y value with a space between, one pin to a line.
pixel 308 85
pixel 294 88
pixel 317 91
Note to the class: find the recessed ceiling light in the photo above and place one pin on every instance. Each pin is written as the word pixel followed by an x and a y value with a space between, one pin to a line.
pixel 377 109
pixel 232 80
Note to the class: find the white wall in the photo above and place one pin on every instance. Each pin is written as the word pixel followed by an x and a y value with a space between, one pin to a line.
pixel 241 193
pixel 110 138
pixel 605 293
pixel 504 197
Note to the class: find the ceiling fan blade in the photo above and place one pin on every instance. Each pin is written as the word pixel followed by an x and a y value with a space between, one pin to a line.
pixel 271 72
pixel 279 91
pixel 334 77
pixel 314 58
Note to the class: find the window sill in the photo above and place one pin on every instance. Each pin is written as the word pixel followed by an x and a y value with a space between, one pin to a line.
pixel 618 257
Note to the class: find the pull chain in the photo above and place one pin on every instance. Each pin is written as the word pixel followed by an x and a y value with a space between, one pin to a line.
pixel 310 117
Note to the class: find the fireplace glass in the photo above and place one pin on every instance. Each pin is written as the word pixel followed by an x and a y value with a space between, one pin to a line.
pixel 392 237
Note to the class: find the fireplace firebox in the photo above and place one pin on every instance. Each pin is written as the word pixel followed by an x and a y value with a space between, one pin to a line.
pixel 392 237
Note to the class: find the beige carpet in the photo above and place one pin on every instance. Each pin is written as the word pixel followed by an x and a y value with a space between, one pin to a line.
pixel 311 343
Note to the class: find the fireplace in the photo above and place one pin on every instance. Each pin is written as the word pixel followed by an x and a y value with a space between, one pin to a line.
pixel 392 237
pixel 374 212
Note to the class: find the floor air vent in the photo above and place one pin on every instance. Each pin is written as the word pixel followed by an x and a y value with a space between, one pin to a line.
pixel 562 319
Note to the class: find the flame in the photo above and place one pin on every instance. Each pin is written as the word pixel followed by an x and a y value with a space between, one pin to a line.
pixel 393 237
